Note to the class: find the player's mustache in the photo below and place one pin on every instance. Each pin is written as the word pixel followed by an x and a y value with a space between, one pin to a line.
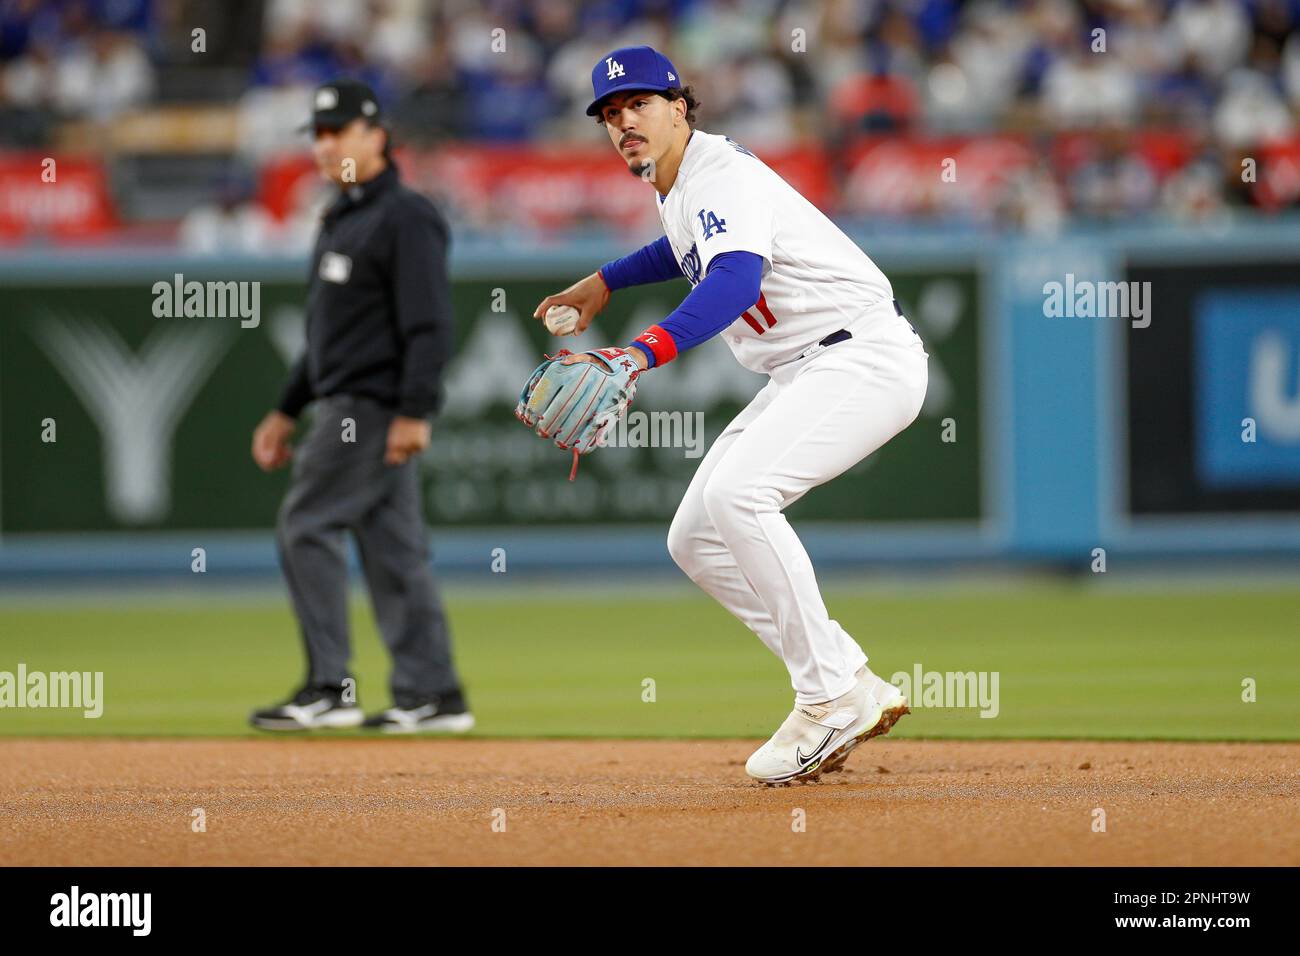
pixel 630 138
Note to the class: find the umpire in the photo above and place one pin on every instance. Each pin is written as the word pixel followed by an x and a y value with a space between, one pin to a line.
pixel 379 332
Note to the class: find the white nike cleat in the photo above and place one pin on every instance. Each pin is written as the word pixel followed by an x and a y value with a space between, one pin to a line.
pixel 891 699
pixel 893 705
pixel 814 734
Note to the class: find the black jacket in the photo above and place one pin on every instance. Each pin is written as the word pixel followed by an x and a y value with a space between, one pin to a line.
pixel 379 316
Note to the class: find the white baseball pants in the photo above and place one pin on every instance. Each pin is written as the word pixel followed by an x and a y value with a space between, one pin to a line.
pixel 817 417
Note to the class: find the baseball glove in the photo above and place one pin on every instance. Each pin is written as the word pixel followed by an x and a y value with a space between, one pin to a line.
pixel 576 404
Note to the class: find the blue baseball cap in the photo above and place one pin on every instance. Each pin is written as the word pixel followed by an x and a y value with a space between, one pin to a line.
pixel 631 68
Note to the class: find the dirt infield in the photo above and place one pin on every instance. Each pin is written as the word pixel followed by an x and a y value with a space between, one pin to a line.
pixel 116 802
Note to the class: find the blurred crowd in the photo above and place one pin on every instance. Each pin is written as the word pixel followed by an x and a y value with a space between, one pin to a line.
pixel 63 61
pixel 770 73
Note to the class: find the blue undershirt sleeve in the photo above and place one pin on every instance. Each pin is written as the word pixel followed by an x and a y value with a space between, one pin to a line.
pixel 732 285
pixel 652 263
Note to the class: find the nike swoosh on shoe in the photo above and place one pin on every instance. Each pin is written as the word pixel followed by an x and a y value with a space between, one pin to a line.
pixel 805 761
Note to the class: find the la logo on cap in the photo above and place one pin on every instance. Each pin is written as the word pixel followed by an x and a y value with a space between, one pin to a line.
pixel 671 78
pixel 327 98
pixel 615 68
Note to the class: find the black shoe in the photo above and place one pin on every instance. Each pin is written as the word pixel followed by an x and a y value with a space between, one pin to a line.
pixel 310 708
pixel 447 714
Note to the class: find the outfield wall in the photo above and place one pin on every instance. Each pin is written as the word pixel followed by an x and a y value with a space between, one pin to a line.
pixel 1042 438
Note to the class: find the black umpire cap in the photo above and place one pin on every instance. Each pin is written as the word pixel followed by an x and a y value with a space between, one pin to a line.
pixel 339 102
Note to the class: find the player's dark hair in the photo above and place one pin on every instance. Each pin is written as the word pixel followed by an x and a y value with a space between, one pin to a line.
pixel 686 93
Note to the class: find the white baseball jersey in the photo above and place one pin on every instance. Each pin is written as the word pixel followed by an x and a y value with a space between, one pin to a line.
pixel 815 279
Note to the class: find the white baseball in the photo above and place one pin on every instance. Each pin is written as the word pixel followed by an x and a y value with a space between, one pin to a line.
pixel 561 319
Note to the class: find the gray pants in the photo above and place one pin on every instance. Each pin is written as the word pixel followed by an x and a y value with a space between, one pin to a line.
pixel 340 486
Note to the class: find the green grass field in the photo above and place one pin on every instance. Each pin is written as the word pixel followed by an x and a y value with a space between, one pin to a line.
pixel 1072 661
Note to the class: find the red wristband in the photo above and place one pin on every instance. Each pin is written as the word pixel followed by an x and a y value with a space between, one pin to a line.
pixel 658 341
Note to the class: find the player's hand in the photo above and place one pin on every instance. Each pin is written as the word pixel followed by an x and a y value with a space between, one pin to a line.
pixel 588 296
pixel 271 441
pixel 637 356
pixel 406 437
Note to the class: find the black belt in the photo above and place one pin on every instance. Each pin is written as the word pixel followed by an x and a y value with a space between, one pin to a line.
pixel 843 334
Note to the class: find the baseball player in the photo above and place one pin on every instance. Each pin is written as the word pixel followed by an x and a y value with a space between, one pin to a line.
pixel 794 298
